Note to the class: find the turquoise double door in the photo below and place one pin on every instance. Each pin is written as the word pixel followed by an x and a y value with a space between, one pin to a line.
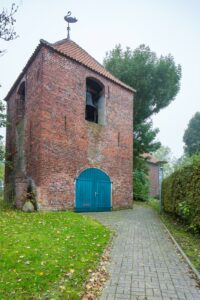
pixel 93 191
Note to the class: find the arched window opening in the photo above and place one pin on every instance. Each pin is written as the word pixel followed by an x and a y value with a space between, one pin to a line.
pixel 95 102
pixel 21 100
pixel 20 103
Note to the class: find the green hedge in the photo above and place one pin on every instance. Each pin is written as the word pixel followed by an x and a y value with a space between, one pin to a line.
pixel 181 193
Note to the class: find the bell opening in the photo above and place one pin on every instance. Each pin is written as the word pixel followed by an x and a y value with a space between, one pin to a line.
pixel 94 92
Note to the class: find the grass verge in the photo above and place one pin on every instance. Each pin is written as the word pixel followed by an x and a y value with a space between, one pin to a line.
pixel 48 255
pixel 190 243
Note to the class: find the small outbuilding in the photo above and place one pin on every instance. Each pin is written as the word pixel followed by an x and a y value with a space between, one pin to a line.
pixel 69 137
pixel 154 174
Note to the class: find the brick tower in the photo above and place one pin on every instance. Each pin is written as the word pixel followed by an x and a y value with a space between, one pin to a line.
pixel 70 132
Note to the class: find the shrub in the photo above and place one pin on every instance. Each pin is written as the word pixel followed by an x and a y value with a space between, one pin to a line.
pixel 185 211
pixel 140 185
pixel 4 205
pixel 181 193
pixel 155 203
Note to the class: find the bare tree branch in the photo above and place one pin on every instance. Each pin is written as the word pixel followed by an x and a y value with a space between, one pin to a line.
pixel 7 21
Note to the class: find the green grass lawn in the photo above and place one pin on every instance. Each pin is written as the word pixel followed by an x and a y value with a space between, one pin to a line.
pixel 48 255
pixel 190 243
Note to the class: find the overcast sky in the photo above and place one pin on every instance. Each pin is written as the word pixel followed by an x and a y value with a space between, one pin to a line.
pixel 167 26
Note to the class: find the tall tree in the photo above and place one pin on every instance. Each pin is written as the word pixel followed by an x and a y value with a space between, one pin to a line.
pixel 145 138
pixel 7 33
pixel 191 136
pixel 7 21
pixel 157 82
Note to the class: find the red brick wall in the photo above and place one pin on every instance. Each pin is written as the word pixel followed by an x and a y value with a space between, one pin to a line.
pixel 153 179
pixel 16 180
pixel 56 154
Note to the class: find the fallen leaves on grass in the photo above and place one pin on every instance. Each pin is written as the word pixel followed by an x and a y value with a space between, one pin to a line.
pixel 53 251
pixel 98 278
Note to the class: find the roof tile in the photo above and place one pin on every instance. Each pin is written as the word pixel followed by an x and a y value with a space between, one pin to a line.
pixel 74 51
pixel 71 50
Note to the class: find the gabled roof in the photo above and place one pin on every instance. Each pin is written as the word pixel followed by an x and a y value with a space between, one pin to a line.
pixel 150 158
pixel 75 52
pixel 71 50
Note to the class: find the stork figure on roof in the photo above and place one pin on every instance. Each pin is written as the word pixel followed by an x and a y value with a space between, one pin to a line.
pixel 69 19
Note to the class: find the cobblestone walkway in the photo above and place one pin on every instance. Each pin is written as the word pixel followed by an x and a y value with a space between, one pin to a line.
pixel 144 262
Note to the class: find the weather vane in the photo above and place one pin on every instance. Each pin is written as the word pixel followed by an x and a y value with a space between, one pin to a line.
pixel 69 20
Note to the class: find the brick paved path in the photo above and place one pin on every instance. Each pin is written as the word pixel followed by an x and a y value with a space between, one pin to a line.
pixel 144 261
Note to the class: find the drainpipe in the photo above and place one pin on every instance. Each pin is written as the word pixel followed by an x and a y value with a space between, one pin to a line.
pixel 161 163
pixel 160 187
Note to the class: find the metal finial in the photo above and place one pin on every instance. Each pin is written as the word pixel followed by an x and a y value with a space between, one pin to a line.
pixel 69 19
